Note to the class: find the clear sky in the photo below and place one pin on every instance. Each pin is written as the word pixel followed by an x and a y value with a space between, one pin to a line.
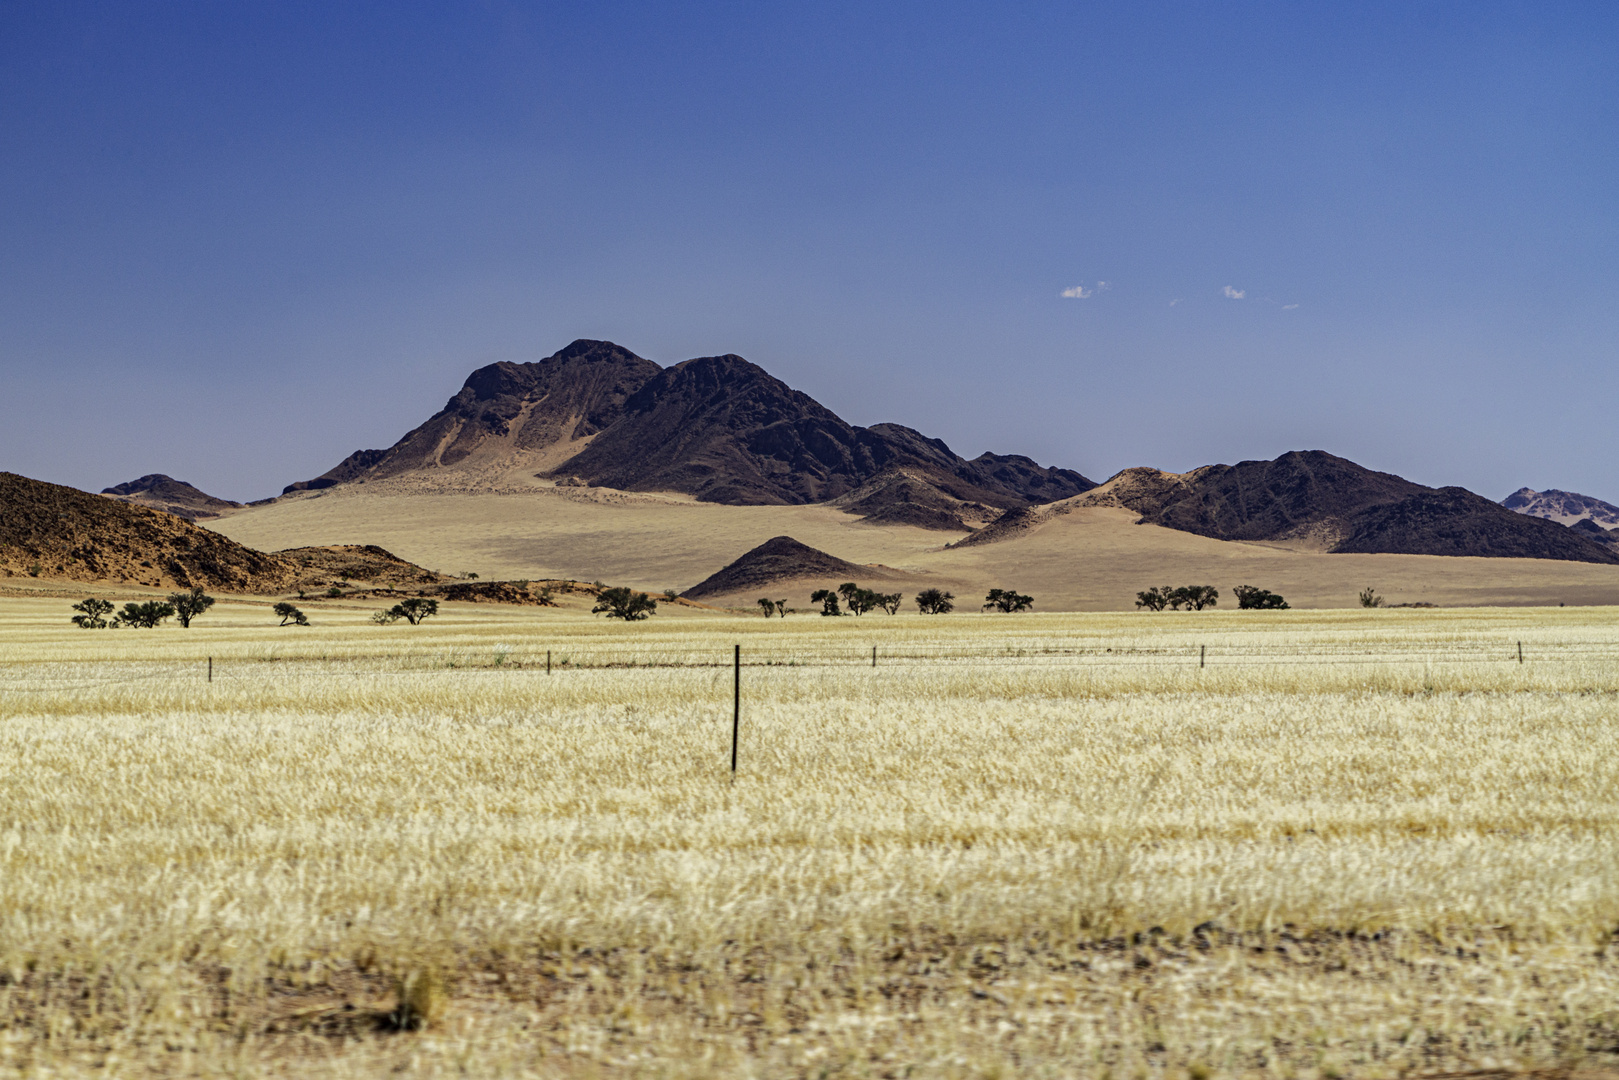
pixel 240 240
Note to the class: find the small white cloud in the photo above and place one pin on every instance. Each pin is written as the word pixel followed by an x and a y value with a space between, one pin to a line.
pixel 1078 292
pixel 1103 286
pixel 1175 301
pixel 1235 294
pixel 1289 307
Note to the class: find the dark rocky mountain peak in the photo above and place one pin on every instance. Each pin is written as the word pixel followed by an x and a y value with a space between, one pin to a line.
pixel 1345 507
pixel 720 428
pixel 506 410
pixel 172 496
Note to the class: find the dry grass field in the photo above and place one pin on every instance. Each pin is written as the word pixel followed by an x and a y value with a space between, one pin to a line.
pixel 1348 844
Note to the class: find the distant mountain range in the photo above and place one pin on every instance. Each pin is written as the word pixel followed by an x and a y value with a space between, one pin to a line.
pixel 1564 507
pixel 724 430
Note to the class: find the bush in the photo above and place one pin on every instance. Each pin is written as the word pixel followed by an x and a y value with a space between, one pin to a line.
pixel 145 616
pixel 1369 598
pixel 1007 601
pixel 622 603
pixel 93 613
pixel 935 602
pixel 828 599
pixel 1253 598
pixel 334 592
pixel 188 605
pixel 290 614
pixel 384 617
pixel 414 610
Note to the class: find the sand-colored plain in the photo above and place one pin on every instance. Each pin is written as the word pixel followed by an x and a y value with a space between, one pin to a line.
pixel 1089 559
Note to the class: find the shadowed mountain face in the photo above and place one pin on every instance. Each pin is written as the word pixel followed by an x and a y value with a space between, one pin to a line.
pixel 718 427
pixel 1564 507
pixel 506 410
pixel 171 496
pixel 1312 495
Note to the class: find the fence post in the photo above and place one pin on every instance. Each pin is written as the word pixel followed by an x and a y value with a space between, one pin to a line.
pixel 736 705
pixel 1520 652
pixel 874 656
pixel 1202 655
pixel 548 661
pixel 210 669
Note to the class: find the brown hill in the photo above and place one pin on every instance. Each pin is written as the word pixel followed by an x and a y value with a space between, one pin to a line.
pixel 47 530
pixel 353 562
pixel 510 412
pixel 781 558
pixel 51 531
pixel 1340 506
pixel 716 427
pixel 171 496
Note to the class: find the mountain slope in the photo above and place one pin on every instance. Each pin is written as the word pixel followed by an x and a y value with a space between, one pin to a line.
pixel 61 532
pixel 507 414
pixel 171 496
pixel 716 427
pixel 1326 502
pixel 1564 507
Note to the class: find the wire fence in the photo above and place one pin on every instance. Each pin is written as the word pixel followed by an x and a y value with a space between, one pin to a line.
pixel 30 678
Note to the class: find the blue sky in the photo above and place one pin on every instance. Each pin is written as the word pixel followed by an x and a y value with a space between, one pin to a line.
pixel 240 240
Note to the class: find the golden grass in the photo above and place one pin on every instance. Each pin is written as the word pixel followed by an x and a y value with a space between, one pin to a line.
pixel 1354 844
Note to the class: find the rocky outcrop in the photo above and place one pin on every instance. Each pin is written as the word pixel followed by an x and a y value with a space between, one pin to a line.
pixel 1564 507
pixel 781 558
pixel 171 496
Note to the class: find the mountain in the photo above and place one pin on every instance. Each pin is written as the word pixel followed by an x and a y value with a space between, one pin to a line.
pixel 171 496
pixel 508 412
pixel 1564 507
pixel 62 532
pixel 51 531
pixel 1324 501
pixel 717 427
pixel 782 559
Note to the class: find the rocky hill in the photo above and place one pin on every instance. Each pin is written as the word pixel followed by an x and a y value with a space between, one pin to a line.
pixel 508 412
pixel 1325 502
pixel 1563 507
pixel 47 530
pixel 717 427
pixel 171 496
pixel 782 559
pixel 62 533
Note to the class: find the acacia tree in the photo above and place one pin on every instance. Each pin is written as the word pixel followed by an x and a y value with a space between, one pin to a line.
pixel 828 599
pixel 622 603
pixel 1369 598
pixel 768 606
pixel 889 601
pixel 1253 598
pixel 935 602
pixel 188 605
pixel 290 614
pixel 1007 601
pixel 1194 597
pixel 93 613
pixel 1154 599
pixel 414 610
pixel 860 600
pixel 147 616
pixel 781 609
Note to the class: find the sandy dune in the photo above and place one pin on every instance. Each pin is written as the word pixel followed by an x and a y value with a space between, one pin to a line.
pixel 1092 558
